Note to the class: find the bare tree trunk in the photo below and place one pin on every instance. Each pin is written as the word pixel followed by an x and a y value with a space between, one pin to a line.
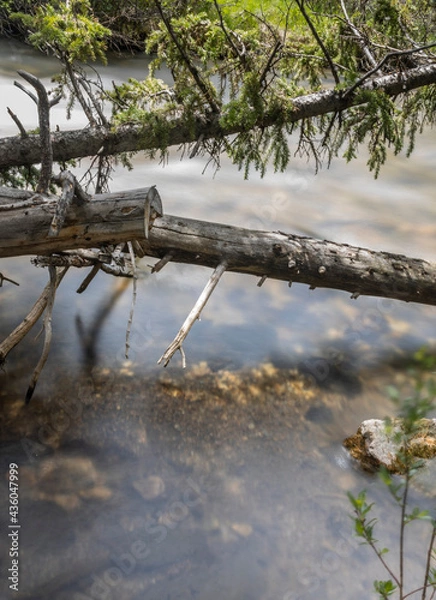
pixel 21 151
pixel 107 219
pixel 120 217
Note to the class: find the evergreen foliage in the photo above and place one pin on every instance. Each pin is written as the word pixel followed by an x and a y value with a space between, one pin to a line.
pixel 243 66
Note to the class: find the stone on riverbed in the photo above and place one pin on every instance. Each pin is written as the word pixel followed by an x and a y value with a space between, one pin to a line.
pixel 381 443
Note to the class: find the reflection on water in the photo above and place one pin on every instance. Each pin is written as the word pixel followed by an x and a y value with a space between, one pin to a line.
pixel 227 479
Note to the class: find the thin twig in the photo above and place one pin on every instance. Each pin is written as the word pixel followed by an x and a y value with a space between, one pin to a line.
pixel 78 92
pixel 300 4
pixel 379 65
pixel 241 55
pixel 362 42
pixel 93 272
pixel 20 86
pixel 97 105
pixel 134 293
pixel 4 278
pixel 277 47
pixel 193 316
pixel 48 334
pixel 202 85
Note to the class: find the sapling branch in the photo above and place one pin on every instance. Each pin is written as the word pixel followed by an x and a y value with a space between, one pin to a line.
pixel 193 316
pixel 428 563
pixel 402 528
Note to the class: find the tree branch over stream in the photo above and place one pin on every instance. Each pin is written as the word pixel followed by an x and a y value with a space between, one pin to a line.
pixel 237 88
pixel 18 151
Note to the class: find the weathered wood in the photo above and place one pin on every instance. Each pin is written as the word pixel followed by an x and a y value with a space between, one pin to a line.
pixel 119 217
pixel 293 258
pixel 108 218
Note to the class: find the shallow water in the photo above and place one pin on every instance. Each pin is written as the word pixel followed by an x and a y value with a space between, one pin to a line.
pixel 227 479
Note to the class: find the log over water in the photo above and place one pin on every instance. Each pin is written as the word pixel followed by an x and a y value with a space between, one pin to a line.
pixel 120 217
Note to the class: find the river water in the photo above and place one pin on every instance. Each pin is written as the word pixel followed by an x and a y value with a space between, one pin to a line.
pixel 227 479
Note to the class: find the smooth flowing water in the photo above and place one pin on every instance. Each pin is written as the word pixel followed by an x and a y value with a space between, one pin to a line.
pixel 227 479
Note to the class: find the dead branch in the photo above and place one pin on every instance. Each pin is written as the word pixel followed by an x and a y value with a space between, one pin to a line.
pixel 359 37
pixel 162 262
pixel 84 285
pixel 48 331
pixel 134 294
pixel 18 123
pixel 26 325
pixel 193 316
pixel 44 106
pixel 4 278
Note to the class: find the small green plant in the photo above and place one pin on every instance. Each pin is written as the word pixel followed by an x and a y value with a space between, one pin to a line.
pixel 412 410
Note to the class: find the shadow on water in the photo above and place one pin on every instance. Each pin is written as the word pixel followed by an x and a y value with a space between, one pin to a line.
pixel 228 479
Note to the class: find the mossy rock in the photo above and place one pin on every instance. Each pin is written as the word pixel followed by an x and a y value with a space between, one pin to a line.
pixel 386 443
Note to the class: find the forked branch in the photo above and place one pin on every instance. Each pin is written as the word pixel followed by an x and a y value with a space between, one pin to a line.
pixel 193 316
pixel 44 104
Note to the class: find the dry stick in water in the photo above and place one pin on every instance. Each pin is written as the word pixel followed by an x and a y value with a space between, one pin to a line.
pixel 26 325
pixel 193 316
pixel 48 333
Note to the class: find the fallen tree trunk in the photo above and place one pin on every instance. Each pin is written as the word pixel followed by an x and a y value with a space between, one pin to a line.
pixel 21 151
pixel 25 220
pixel 120 217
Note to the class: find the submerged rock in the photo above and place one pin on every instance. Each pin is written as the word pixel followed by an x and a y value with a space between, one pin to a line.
pixel 385 443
